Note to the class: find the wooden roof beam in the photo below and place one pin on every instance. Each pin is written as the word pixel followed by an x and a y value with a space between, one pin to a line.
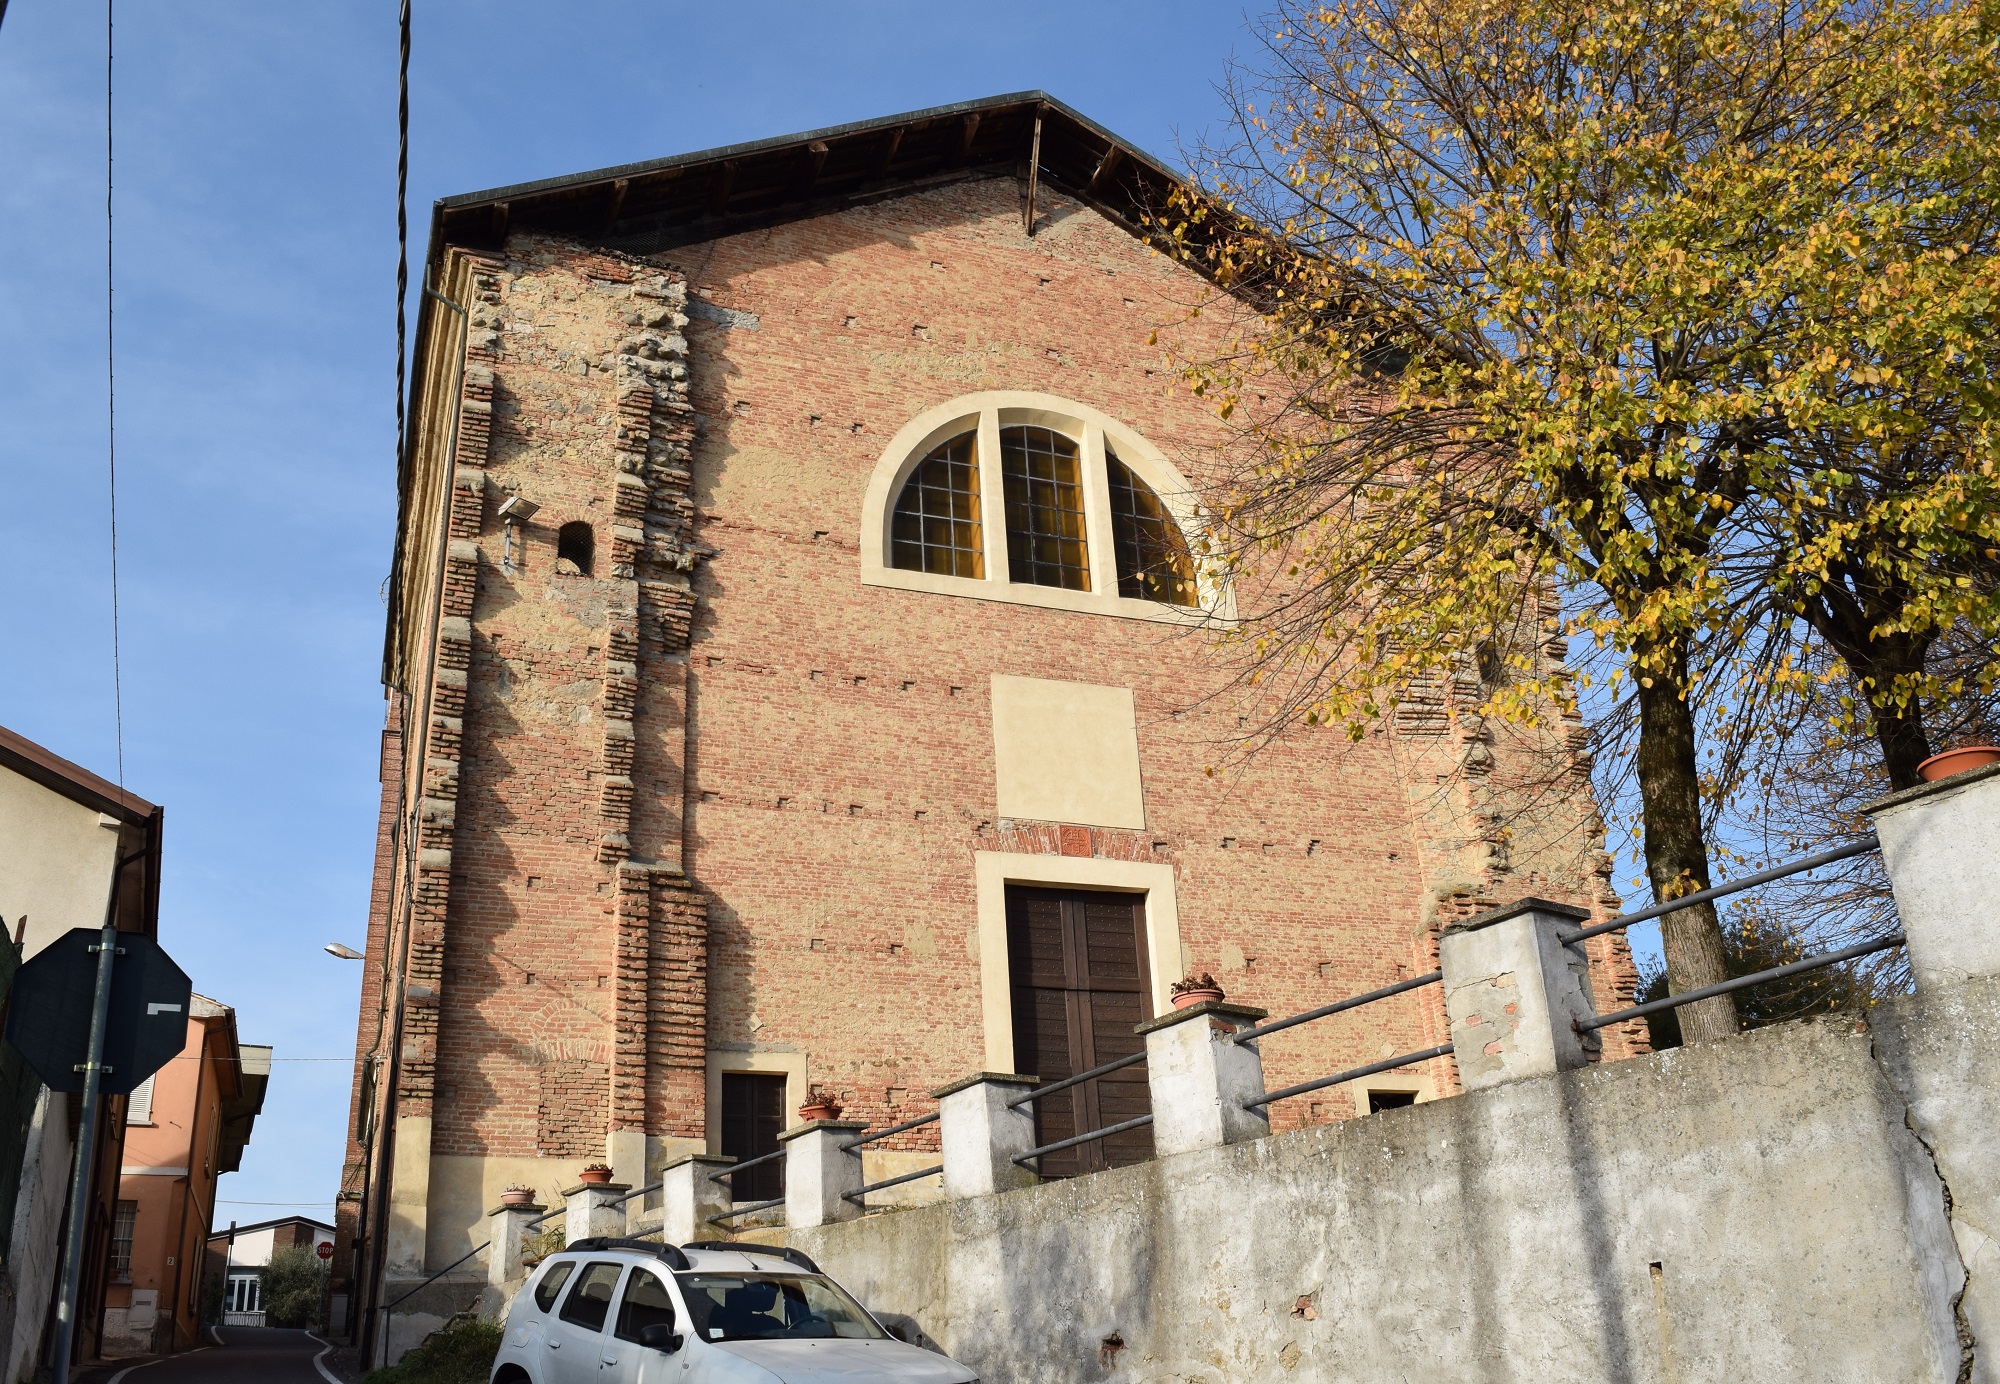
pixel 1106 166
pixel 887 155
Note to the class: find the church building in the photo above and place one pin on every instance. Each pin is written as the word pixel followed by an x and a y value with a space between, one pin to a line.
pixel 801 679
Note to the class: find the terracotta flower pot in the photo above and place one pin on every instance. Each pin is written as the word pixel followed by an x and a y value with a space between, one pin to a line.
pixel 596 1177
pixel 817 1111
pixel 1187 999
pixel 517 1196
pixel 1958 761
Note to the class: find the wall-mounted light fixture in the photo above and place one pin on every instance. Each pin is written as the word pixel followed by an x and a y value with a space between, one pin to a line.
pixel 345 953
pixel 514 511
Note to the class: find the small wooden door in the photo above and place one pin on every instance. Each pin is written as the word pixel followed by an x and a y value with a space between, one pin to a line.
pixel 1077 960
pixel 753 1116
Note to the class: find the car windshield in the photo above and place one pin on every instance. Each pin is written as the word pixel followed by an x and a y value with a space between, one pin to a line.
pixel 772 1306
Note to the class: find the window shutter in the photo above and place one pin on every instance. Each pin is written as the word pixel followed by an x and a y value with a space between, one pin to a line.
pixel 139 1105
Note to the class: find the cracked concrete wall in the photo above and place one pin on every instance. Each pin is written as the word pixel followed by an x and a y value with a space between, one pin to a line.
pixel 1941 1050
pixel 1763 1208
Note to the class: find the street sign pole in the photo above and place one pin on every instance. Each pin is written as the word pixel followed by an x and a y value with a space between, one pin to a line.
pixel 86 1136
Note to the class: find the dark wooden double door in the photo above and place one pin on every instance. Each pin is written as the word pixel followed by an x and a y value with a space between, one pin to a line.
pixel 1077 961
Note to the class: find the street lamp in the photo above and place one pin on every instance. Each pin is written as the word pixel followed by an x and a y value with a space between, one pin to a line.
pixel 344 953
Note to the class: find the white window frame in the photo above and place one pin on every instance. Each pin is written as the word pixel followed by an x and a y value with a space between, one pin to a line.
pixel 987 413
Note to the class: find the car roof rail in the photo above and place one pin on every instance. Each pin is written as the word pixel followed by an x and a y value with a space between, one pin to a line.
pixel 785 1252
pixel 671 1253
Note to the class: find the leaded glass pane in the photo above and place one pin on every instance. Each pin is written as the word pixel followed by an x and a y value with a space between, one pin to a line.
pixel 1152 554
pixel 1042 478
pixel 936 524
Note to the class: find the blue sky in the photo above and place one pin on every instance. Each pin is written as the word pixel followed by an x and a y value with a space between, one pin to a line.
pixel 255 308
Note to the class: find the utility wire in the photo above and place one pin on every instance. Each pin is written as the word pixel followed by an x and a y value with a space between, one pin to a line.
pixel 402 211
pixel 111 408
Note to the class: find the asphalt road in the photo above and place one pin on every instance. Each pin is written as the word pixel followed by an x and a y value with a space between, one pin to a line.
pixel 247 1355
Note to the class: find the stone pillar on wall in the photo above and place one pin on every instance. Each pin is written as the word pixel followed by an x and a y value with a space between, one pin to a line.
pixel 1201 1076
pixel 594 1209
pixel 981 1135
pixel 820 1171
pixel 691 1197
pixel 1941 844
pixel 507 1232
pixel 1513 991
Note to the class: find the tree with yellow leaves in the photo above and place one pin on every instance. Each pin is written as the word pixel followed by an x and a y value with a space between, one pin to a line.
pixel 1685 307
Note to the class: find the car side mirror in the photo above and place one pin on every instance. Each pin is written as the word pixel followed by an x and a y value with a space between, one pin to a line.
pixel 660 1336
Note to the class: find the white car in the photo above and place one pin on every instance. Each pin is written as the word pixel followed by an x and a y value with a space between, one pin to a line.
pixel 617 1311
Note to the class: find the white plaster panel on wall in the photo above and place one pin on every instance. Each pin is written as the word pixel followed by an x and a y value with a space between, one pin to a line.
pixel 1066 752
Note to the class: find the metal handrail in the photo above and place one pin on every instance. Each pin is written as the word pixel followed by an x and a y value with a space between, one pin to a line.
pixel 1660 910
pixel 859 1194
pixel 872 1135
pixel 1387 1064
pixel 1049 1090
pixel 1791 968
pixel 749 1209
pixel 483 1244
pixel 649 1187
pixel 734 1168
pixel 1352 1002
pixel 1074 1140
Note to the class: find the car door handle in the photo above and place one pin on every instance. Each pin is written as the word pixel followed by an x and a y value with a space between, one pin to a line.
pixel 552 1343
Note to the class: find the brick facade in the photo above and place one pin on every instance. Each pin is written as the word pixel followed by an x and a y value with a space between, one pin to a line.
pixel 718 798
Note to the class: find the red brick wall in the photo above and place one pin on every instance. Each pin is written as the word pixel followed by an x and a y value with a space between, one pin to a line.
pixel 722 694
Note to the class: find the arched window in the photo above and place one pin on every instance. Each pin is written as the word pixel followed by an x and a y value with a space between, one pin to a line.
pixel 1153 560
pixel 936 526
pixel 576 545
pixel 1036 500
pixel 1044 487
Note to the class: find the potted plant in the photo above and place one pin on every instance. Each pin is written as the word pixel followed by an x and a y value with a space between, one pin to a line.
pixel 517 1195
pixel 1198 987
pixel 1958 761
pixel 821 1104
pixel 596 1174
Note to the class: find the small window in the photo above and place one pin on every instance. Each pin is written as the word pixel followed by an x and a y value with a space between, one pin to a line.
pixel 576 545
pixel 589 1302
pixel 121 1236
pixel 1043 481
pixel 1390 1100
pixel 753 1116
pixel 936 525
pixel 1153 561
pixel 646 1303
pixel 551 1284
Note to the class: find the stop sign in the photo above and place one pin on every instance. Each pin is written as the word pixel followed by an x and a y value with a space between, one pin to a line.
pixel 325 1250
pixel 48 1013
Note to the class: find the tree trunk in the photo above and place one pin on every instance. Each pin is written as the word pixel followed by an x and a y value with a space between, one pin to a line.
pixel 1905 744
pixel 1677 855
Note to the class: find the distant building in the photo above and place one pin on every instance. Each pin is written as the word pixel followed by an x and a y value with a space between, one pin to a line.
pixel 241 1258
pixel 63 832
pixel 185 1127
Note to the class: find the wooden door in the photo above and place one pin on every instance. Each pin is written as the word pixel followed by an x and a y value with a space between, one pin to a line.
pixel 1077 960
pixel 753 1116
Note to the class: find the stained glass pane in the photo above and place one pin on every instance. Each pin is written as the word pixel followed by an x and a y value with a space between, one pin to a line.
pixel 936 524
pixel 1153 561
pixel 1043 482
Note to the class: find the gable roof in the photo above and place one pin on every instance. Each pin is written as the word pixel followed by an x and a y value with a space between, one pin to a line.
pixel 218 1236
pixel 659 204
